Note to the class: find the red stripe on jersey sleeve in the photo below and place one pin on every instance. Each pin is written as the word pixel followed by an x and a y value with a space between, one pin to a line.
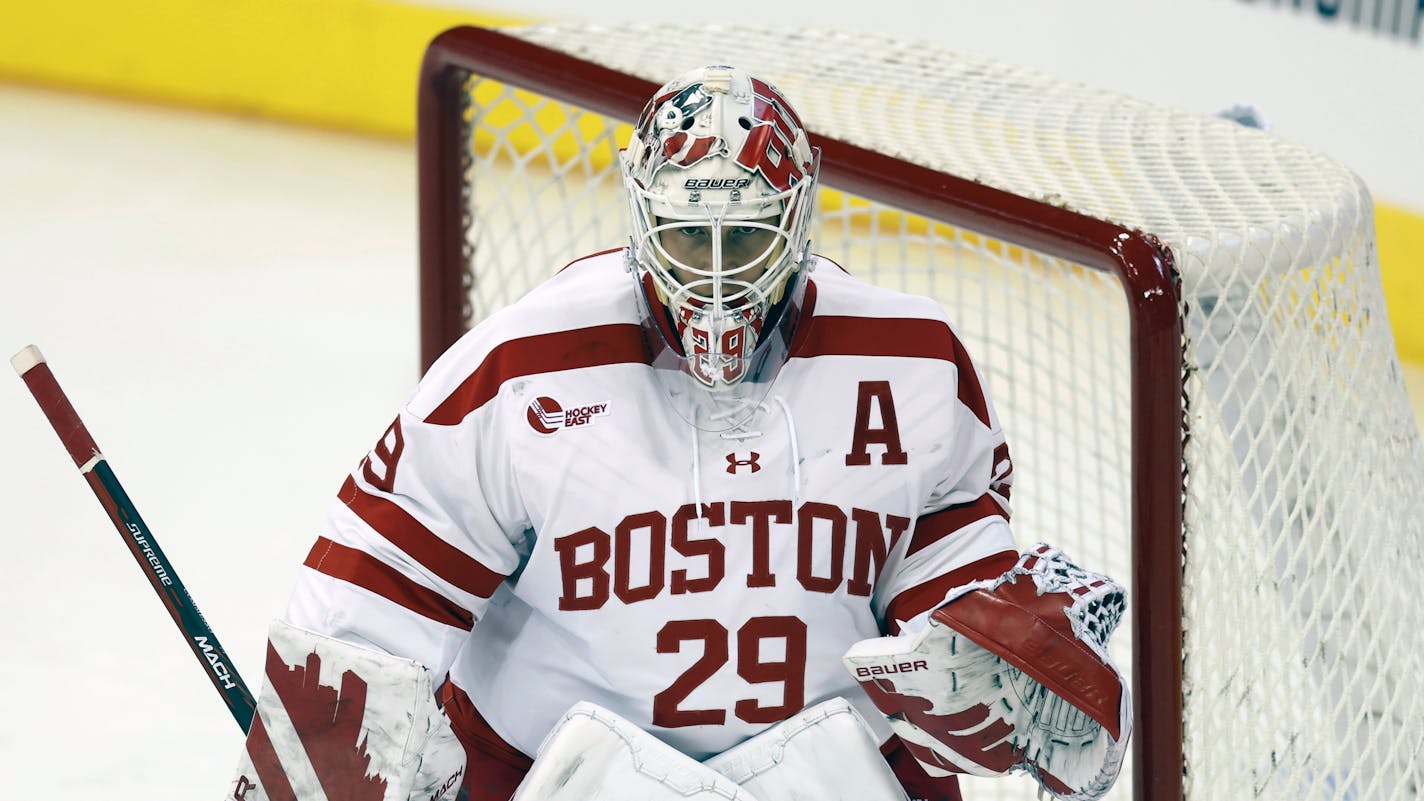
pixel 366 571
pixel 431 552
pixel 271 777
pixel 928 595
pixel 542 353
pixel 936 526
pixel 911 337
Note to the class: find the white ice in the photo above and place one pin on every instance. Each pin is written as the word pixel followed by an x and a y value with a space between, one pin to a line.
pixel 231 306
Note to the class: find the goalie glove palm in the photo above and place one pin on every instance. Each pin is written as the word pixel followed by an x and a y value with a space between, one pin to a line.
pixel 1011 673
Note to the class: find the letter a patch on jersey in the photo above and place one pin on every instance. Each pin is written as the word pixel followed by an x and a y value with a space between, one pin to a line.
pixel 887 433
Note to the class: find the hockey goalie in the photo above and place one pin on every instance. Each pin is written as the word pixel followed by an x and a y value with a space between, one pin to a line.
pixel 703 516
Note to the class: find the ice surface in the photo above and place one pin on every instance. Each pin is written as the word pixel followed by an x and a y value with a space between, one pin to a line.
pixel 231 306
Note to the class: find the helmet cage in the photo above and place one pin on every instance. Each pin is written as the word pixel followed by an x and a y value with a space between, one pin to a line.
pixel 720 283
pixel 719 308
pixel 719 152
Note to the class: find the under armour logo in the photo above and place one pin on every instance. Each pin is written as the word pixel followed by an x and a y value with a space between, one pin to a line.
pixel 733 462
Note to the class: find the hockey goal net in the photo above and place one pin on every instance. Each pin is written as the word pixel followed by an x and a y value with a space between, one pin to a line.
pixel 1179 319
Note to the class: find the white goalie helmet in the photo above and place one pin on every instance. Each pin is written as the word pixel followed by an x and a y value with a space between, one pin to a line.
pixel 721 181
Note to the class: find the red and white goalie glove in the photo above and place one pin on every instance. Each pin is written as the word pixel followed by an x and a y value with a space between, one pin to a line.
pixel 1011 673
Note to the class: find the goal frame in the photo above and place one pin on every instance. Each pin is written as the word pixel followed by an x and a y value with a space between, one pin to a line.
pixel 1142 265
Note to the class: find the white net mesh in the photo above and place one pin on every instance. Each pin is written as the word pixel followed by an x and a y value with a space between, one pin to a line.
pixel 1304 644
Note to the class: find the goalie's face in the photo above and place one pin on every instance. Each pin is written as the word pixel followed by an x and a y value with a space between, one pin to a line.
pixel 727 258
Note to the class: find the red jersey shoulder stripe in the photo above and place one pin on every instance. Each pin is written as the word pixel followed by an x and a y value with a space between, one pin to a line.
pixel 915 337
pixel 912 337
pixel 589 257
pixel 368 572
pixel 402 530
pixel 616 343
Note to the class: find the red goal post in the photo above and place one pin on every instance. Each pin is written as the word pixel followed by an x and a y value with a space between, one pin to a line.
pixel 543 85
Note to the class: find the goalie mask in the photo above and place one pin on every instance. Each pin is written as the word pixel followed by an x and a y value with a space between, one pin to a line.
pixel 721 181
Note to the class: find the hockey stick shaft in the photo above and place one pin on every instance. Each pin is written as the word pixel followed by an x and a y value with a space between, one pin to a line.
pixel 31 366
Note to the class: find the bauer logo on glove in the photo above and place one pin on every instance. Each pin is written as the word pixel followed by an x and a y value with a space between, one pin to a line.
pixel 1011 674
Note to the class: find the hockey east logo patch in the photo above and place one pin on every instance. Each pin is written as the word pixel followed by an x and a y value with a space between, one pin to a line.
pixel 546 416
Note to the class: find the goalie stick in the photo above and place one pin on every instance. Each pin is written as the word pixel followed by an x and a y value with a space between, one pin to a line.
pixel 31 366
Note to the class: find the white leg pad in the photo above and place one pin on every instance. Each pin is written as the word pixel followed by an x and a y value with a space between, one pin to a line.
pixel 592 754
pixel 822 753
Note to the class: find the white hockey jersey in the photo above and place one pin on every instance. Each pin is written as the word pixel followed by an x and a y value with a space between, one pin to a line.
pixel 539 522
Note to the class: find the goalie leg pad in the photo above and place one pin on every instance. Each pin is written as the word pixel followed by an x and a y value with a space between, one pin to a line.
pixel 336 722
pixel 825 752
pixel 592 754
